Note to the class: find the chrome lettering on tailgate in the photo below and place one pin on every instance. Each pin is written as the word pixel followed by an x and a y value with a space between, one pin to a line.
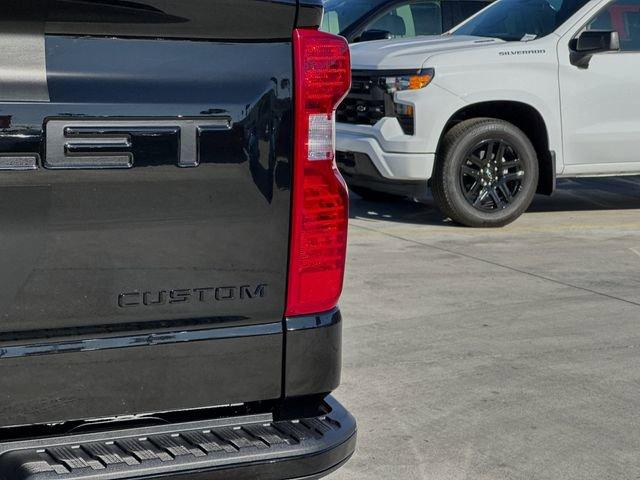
pixel 99 144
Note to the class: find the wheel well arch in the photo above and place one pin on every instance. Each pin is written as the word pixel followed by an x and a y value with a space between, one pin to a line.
pixel 526 118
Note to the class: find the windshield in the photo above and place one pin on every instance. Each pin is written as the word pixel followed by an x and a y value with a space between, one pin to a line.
pixel 340 14
pixel 520 19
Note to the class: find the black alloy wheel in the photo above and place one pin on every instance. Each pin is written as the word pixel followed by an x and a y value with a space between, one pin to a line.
pixel 492 175
pixel 486 173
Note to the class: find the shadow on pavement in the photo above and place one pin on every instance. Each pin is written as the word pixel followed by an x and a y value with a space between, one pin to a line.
pixel 403 211
pixel 584 194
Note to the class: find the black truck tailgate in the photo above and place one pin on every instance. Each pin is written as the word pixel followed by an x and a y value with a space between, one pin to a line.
pixel 144 205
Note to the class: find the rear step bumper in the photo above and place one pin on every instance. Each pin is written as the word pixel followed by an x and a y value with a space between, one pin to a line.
pixel 247 447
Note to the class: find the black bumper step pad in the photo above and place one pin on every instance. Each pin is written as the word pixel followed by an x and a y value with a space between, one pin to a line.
pixel 179 449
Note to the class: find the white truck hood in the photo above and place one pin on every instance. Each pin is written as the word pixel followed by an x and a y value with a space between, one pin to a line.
pixel 410 53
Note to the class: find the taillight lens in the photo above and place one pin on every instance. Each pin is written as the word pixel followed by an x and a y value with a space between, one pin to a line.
pixel 320 210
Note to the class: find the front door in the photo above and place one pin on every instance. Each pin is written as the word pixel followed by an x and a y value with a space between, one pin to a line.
pixel 601 103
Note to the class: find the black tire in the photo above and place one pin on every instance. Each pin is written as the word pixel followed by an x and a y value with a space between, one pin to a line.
pixel 486 173
pixel 373 196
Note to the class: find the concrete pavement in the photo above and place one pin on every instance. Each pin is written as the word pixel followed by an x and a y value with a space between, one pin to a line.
pixel 496 354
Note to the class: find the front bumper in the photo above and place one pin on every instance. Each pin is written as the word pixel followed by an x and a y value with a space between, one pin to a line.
pixel 247 447
pixel 359 170
pixel 401 165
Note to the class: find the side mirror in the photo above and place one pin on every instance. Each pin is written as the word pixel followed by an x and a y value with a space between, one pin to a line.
pixel 590 42
pixel 369 35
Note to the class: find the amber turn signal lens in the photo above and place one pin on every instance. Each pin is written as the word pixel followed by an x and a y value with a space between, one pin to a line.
pixel 416 82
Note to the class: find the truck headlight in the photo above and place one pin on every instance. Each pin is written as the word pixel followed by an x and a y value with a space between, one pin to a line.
pixel 408 81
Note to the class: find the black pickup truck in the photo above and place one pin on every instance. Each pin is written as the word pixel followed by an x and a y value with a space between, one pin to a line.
pixel 172 240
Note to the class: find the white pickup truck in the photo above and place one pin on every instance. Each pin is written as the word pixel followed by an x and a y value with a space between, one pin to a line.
pixel 492 112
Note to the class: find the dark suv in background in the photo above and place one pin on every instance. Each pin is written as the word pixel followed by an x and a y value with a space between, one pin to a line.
pixel 363 20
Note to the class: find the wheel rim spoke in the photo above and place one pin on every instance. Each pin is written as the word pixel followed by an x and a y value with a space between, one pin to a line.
pixel 510 164
pixel 479 162
pixel 496 198
pixel 474 192
pixel 500 153
pixel 505 191
pixel 481 195
pixel 509 177
pixel 471 172
pixel 489 152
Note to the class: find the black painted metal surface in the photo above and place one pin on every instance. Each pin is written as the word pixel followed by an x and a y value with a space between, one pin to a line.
pixel 141 373
pixel 212 19
pixel 147 194
pixel 74 240
pixel 313 354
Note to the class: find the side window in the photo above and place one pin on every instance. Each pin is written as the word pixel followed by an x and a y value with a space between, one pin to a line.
pixel 456 11
pixel 623 16
pixel 411 19
pixel 427 17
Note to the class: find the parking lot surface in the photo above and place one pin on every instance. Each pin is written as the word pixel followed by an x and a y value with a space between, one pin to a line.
pixel 496 354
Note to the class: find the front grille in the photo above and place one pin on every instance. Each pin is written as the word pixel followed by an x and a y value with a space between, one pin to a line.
pixel 368 102
pixel 360 111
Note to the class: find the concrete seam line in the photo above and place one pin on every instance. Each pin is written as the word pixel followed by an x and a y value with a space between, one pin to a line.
pixel 513 269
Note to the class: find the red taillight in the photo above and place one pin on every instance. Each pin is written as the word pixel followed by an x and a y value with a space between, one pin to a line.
pixel 320 211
